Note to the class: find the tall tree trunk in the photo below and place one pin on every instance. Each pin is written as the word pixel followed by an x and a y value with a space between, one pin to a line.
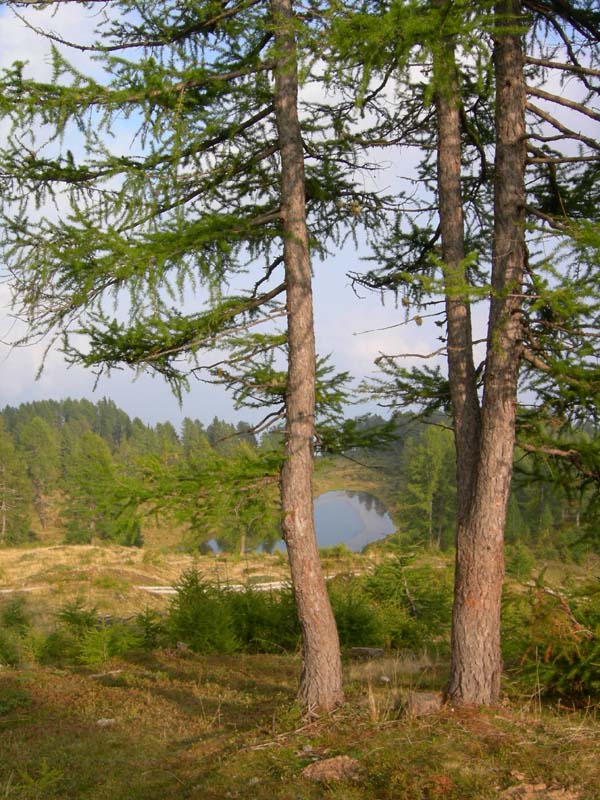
pixel 476 656
pixel 321 682
pixel 461 368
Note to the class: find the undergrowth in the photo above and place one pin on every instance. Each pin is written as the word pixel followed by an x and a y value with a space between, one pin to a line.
pixel 551 638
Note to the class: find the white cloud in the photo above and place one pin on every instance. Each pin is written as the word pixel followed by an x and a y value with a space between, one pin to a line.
pixel 21 40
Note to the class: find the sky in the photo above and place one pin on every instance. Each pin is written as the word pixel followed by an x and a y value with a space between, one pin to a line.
pixel 355 328
pixel 341 315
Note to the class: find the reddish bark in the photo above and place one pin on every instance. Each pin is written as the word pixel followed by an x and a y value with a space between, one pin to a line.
pixel 321 682
pixel 476 656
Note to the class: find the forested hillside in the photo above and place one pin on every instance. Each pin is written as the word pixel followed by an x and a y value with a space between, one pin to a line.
pixel 81 472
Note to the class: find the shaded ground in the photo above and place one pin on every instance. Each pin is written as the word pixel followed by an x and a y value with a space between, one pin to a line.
pixel 172 726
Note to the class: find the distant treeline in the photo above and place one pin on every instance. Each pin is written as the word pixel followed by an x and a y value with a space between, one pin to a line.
pixel 74 456
pixel 77 467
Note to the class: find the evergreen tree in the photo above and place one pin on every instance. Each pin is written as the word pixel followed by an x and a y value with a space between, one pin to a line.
pixel 427 500
pixel 222 436
pixel 217 178
pixel 245 433
pixel 113 424
pixel 444 256
pixel 194 439
pixel 39 444
pixel 167 442
pixel 92 508
pixel 15 493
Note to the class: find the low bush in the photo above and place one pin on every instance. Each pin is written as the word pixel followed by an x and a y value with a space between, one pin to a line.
pixel 360 622
pixel 416 601
pixel 551 641
pixel 519 560
pixel 15 633
pixel 98 645
pixel 200 616
pixel 264 622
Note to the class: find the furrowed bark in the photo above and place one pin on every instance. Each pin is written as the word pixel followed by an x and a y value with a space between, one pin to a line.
pixel 476 656
pixel 321 682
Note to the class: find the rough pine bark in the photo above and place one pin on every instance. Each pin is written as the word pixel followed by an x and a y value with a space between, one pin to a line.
pixel 476 657
pixel 321 682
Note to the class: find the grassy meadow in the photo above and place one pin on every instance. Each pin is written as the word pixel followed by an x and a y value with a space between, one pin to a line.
pixel 166 721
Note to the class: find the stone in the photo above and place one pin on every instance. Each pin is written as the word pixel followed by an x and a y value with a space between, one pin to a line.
pixel 338 768
pixel 537 791
pixel 106 723
pixel 421 704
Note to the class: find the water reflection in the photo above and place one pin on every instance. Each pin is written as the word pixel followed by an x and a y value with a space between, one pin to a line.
pixel 353 518
pixel 342 517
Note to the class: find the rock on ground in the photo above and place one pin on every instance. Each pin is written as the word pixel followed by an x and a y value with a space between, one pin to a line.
pixel 332 769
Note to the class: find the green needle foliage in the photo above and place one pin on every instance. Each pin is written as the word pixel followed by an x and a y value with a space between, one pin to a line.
pixel 131 200
pixel 15 493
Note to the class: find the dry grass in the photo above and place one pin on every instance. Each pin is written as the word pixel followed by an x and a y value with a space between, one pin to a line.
pixel 110 577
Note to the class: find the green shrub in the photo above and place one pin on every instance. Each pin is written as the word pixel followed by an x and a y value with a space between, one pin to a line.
pixel 14 699
pixel 98 645
pixel 76 617
pixel 336 552
pixel 14 616
pixel 201 617
pixel 264 622
pixel 81 638
pixel 520 561
pixel 551 641
pixel 15 633
pixel 60 647
pixel 10 648
pixel 416 602
pixel 152 629
pixel 360 621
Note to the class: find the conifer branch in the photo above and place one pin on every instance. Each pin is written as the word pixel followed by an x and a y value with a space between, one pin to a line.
pixel 561 159
pixel 177 36
pixel 577 68
pixel 424 356
pixel 552 221
pixel 569 133
pixel 564 101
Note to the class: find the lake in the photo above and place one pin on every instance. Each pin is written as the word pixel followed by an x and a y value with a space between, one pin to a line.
pixel 342 517
pixel 353 518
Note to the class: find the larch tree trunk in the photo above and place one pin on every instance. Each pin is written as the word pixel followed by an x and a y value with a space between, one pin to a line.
pixel 321 681
pixel 476 656
pixel 461 367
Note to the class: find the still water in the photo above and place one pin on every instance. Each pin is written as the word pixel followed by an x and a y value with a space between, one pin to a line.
pixel 354 518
